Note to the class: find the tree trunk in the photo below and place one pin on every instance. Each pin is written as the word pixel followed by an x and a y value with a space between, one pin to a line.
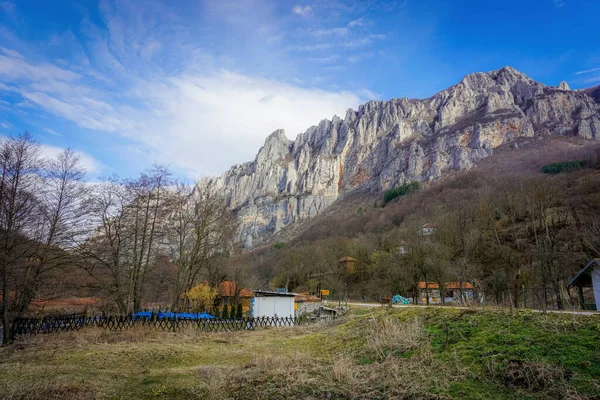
pixel 5 321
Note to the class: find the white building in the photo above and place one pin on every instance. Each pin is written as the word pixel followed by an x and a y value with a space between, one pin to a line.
pixel 272 304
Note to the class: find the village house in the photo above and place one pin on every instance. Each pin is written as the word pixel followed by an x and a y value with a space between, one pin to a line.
pixel 454 292
pixel 347 264
pixel 228 295
pixel 427 229
pixel 306 303
pixel 588 277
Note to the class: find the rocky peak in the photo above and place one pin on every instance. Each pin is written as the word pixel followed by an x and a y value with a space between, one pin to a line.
pixel 388 143
pixel 276 145
pixel 564 86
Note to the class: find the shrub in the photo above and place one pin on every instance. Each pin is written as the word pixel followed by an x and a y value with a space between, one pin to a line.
pixel 278 245
pixel 240 311
pixel 225 312
pixel 400 191
pixel 217 313
pixel 565 166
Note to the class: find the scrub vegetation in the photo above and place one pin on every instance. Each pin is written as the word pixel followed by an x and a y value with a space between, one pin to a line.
pixel 424 353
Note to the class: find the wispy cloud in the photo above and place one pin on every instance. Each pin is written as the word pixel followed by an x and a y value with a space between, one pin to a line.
pixel 5 125
pixel 326 59
pixel 559 3
pixel 313 47
pixel 330 32
pixel 50 131
pixel 363 41
pixel 301 10
pixel 179 100
pixel 356 22
pixel 88 162
pixel 593 79
pixel 166 113
pixel 587 71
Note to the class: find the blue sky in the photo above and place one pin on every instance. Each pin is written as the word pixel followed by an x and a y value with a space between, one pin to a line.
pixel 198 85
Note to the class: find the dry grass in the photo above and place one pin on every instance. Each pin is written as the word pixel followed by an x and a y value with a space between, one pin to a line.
pixel 390 336
pixel 380 354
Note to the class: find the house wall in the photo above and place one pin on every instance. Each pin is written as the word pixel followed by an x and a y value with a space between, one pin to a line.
pixel 434 296
pixel 273 306
pixel 596 286
pixel 307 307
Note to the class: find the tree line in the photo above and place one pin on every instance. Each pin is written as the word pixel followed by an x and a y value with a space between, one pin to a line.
pixel 119 237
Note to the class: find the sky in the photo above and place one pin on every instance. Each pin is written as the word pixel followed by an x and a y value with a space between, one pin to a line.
pixel 199 85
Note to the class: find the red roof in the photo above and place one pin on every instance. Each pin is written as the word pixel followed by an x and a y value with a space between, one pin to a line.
pixel 228 289
pixel 306 298
pixel 447 285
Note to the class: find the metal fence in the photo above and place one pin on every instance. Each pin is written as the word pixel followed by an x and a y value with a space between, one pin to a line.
pixel 71 322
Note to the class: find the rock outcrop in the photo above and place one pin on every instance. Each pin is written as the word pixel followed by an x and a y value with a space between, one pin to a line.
pixel 384 144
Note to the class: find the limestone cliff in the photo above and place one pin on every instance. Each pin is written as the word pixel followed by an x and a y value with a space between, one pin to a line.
pixel 388 143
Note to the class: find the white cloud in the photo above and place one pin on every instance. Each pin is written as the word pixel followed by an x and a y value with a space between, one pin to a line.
pixel 302 11
pixel 199 122
pixel 50 131
pixel 593 79
pixel 214 121
pixel 364 41
pixel 5 125
pixel 559 3
pixel 326 59
pixel 330 32
pixel 356 22
pixel 14 68
pixel 587 71
pixel 88 162
pixel 313 47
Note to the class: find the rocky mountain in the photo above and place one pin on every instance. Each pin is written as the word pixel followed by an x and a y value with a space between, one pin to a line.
pixel 384 144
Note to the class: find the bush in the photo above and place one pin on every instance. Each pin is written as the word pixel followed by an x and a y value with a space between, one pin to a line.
pixel 216 313
pixel 278 245
pixel 565 166
pixel 240 311
pixel 400 191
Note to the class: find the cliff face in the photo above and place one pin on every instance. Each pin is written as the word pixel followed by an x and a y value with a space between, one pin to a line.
pixel 388 143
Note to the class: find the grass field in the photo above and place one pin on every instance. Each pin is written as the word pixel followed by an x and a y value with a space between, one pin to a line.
pixel 420 353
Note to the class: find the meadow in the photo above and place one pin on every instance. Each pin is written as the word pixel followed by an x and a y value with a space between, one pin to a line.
pixel 383 353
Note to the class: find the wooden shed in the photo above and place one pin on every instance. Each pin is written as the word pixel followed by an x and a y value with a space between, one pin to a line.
pixel 588 276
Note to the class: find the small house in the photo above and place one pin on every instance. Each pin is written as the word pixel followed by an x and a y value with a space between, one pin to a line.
pixel 272 304
pixel 588 277
pixel 427 229
pixel 452 292
pixel 347 264
pixel 306 304
pixel 229 295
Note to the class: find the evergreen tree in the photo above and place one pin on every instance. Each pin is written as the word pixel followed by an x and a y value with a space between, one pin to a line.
pixel 225 312
pixel 240 311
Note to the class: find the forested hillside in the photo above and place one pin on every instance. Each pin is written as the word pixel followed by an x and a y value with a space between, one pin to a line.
pixel 506 226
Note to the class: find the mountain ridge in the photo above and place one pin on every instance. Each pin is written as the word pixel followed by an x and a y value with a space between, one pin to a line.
pixel 386 143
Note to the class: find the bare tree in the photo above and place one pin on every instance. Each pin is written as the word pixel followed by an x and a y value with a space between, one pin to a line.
pixel 201 229
pixel 19 168
pixel 59 222
pixel 146 213
pixel 103 253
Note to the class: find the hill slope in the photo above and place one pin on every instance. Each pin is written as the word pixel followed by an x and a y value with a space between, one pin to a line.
pixel 388 143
